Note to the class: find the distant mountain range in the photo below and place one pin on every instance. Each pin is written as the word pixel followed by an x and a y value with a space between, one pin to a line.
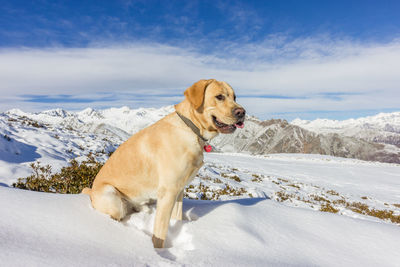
pixel 76 133
pixel 279 136
pixel 381 128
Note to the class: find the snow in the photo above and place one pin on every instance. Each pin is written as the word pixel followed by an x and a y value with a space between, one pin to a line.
pixel 62 230
pixel 51 229
pixel 387 121
pixel 254 228
pixel 84 120
pixel 348 176
pixel 376 128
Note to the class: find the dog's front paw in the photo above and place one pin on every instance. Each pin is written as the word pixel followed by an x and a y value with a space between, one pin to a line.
pixel 157 242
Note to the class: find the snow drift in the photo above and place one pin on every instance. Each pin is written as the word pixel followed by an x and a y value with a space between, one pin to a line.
pixel 62 230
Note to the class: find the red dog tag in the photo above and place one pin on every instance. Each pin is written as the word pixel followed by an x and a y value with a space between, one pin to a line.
pixel 207 148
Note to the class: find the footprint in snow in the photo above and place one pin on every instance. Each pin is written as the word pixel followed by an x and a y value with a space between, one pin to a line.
pixel 179 238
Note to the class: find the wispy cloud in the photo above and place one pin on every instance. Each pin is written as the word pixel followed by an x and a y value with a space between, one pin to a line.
pixel 276 75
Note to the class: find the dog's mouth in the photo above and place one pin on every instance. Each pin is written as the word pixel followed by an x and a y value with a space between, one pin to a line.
pixel 227 128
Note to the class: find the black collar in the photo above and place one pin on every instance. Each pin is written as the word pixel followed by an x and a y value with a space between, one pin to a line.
pixel 192 126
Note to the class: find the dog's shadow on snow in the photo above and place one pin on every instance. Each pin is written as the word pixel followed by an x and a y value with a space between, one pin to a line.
pixel 4 185
pixel 195 209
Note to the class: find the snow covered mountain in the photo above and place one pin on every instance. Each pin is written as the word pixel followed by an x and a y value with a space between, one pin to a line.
pixel 381 128
pixel 97 131
pixel 279 136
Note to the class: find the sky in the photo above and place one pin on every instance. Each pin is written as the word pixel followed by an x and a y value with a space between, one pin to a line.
pixel 285 59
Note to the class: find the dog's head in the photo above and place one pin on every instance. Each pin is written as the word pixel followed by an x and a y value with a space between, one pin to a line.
pixel 215 106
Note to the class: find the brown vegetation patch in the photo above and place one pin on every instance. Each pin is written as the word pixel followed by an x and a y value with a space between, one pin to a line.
pixel 256 178
pixel 332 192
pixel 207 193
pixel 283 180
pixel 283 196
pixel 294 186
pixel 326 207
pixel 70 180
pixel 230 176
pixel 334 206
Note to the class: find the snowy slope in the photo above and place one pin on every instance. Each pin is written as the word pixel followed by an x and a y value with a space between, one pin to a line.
pixel 122 122
pixel 63 230
pixel 61 134
pixel 383 128
pixel 55 136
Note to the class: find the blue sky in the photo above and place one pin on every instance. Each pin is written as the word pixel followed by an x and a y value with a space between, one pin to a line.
pixel 286 59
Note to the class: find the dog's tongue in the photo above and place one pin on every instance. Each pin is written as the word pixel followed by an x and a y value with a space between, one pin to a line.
pixel 239 125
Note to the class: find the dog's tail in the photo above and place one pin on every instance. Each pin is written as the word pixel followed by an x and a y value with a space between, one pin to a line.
pixel 86 191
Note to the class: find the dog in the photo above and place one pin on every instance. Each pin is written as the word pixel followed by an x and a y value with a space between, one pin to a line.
pixel 159 161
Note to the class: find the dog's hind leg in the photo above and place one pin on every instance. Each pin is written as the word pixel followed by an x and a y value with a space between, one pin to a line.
pixel 109 200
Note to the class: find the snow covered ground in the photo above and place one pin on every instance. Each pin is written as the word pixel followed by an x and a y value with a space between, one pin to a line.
pixel 262 230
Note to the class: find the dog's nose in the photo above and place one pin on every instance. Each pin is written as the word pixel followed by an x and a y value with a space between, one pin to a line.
pixel 239 112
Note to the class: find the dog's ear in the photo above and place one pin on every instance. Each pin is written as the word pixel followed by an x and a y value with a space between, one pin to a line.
pixel 195 93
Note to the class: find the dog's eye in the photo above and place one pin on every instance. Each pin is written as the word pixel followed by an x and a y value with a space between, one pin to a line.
pixel 220 97
pixel 234 97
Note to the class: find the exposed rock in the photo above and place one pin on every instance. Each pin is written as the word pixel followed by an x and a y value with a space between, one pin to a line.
pixel 278 136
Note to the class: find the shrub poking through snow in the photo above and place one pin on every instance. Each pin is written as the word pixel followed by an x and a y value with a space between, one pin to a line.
pixel 205 192
pixel 70 180
pixel 231 176
pixel 256 178
pixel 328 208
pixel 332 192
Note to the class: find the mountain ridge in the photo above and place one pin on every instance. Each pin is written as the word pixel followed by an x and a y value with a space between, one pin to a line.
pixel 380 128
pixel 110 127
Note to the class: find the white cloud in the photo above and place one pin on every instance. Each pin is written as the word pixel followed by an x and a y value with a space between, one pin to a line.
pixel 307 68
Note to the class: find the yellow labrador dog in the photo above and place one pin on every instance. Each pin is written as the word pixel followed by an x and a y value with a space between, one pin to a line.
pixel 159 161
